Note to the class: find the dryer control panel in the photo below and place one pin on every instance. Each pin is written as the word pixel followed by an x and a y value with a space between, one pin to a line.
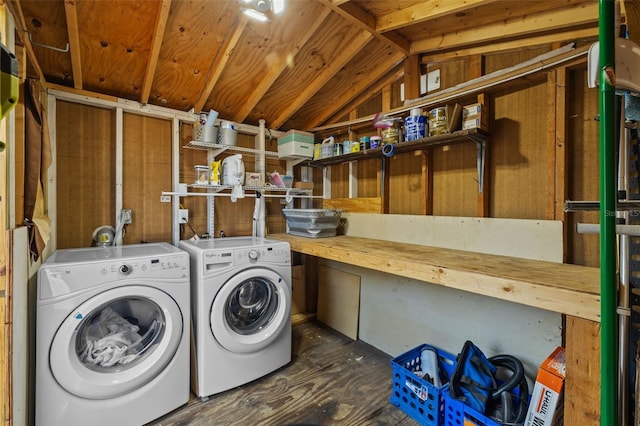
pixel 213 261
pixel 279 254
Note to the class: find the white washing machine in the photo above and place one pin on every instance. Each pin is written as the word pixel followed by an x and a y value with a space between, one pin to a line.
pixel 241 304
pixel 112 337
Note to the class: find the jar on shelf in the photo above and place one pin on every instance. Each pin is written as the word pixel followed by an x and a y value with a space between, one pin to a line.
pixel 202 175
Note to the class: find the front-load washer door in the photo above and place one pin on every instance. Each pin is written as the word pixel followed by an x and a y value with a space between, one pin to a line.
pixel 250 310
pixel 116 341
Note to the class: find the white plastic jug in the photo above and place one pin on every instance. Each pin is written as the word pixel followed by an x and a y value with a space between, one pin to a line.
pixel 233 170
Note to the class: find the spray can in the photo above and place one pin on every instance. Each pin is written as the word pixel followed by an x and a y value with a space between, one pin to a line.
pixel 414 125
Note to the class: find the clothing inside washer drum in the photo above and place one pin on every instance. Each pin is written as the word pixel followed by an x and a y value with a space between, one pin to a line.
pixel 251 306
pixel 109 340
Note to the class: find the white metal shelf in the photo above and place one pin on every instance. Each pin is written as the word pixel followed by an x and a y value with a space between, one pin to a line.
pixel 218 148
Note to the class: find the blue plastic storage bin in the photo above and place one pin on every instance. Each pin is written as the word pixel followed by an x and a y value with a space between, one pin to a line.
pixel 415 396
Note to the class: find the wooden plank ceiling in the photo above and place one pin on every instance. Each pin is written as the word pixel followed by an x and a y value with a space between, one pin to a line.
pixel 296 71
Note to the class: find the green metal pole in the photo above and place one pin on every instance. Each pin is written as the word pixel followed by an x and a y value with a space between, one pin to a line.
pixel 608 195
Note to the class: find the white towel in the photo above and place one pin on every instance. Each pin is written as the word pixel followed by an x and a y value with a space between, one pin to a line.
pixel 109 340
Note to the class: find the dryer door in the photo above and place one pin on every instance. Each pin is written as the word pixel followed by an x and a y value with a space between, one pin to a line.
pixel 251 310
pixel 116 342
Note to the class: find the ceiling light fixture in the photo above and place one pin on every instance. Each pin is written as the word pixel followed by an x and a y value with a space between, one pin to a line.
pixel 259 9
pixel 255 14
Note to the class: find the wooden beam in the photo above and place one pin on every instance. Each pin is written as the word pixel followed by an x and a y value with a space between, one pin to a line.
pixel 359 17
pixel 557 150
pixel 276 70
pixel 154 53
pixel 323 77
pixel 354 205
pixel 632 19
pixel 505 46
pixel 16 11
pixel 427 181
pixel 381 69
pixel 220 61
pixel 475 69
pixel 425 11
pixel 563 19
pixel 412 77
pixel 71 14
pixel 582 380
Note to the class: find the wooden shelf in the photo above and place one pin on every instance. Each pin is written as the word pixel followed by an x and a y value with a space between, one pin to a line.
pixel 559 287
pixel 460 136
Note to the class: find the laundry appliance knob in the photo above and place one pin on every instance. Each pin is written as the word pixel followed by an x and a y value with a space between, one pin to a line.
pixel 253 254
pixel 125 269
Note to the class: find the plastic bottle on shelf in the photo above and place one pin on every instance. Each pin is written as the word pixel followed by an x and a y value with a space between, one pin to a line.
pixel 415 125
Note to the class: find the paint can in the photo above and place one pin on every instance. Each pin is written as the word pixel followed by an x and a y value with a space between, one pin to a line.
pixel 437 121
pixel 376 142
pixel 414 125
pixel 365 143
pixel 390 135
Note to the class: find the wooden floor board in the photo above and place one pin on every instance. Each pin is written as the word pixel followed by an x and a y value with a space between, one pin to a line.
pixel 331 380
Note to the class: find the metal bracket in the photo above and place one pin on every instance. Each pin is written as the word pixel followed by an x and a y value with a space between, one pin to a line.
pixel 57 49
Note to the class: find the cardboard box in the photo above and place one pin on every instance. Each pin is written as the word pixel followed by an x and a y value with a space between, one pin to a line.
pixel 475 116
pixel 254 179
pixel 296 143
pixel 298 298
pixel 303 185
pixel 478 122
pixel 547 400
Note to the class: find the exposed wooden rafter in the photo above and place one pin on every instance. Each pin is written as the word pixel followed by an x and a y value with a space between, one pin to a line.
pixel 354 90
pixel 521 27
pixel 22 33
pixel 276 70
pixel 74 42
pixel 321 79
pixel 219 62
pixel 158 36
pixel 425 11
pixel 504 46
pixel 355 14
pixel 379 86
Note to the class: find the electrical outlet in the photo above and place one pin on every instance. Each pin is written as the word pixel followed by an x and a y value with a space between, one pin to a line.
pixel 165 198
pixel 126 216
pixel 183 215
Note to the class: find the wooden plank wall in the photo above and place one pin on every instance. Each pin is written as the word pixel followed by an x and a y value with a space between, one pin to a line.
pixel 146 172
pixel 86 154
pixel 85 163
pixel 519 167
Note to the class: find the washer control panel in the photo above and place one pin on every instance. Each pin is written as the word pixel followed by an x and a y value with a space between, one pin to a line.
pixel 60 279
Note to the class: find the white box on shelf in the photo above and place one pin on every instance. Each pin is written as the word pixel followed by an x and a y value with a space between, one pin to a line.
pixel 296 143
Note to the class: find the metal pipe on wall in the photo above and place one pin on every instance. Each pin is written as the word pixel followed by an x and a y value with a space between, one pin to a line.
pixel 608 196
pixel 624 259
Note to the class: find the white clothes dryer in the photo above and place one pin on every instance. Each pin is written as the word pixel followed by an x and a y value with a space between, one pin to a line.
pixel 241 304
pixel 112 337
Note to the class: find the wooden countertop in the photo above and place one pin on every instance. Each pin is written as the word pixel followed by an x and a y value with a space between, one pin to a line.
pixel 560 287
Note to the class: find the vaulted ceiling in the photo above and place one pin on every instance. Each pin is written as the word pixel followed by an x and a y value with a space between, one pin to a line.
pixel 302 69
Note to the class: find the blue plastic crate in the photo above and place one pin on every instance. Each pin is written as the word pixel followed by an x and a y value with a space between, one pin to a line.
pixel 457 413
pixel 415 396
